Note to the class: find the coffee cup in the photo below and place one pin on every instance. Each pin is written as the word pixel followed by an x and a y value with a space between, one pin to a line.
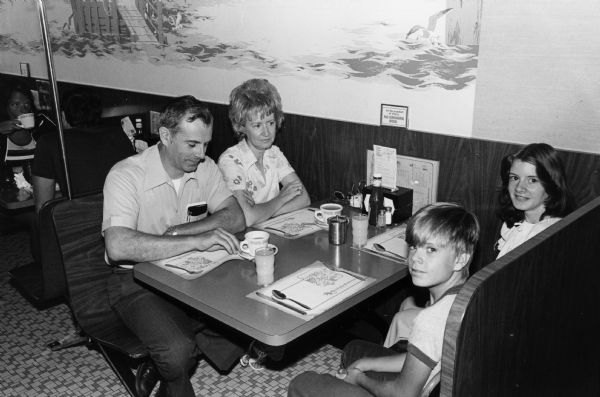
pixel 326 211
pixel 27 120
pixel 254 240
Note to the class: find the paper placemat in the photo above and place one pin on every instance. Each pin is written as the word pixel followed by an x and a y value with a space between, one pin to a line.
pixel 392 240
pixel 316 286
pixel 198 262
pixel 292 225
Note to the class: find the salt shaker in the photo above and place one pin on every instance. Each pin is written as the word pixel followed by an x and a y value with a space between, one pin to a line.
pixel 381 218
pixel 388 215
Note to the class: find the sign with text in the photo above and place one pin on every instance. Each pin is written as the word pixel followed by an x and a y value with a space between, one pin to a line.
pixel 394 116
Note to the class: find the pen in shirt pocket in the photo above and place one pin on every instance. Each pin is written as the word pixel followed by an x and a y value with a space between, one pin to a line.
pixel 196 209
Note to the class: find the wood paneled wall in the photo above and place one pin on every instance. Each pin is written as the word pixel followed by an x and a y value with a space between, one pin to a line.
pixel 330 155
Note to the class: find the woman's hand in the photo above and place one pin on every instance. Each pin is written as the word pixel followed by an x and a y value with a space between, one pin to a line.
pixel 291 190
pixel 9 126
pixel 248 197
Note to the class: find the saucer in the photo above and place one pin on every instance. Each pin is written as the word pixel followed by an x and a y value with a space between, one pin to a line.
pixel 249 257
pixel 322 225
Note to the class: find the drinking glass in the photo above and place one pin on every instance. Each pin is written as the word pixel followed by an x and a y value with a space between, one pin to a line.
pixel 360 226
pixel 265 265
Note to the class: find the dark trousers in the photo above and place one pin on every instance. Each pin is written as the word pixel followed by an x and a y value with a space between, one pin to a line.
pixel 173 337
pixel 311 384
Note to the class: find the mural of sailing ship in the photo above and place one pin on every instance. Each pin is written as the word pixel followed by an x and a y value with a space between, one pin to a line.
pixel 141 20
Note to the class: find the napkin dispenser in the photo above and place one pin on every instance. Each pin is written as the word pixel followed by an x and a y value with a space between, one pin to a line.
pixel 402 198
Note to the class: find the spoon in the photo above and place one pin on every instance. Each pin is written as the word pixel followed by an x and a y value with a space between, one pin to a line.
pixel 381 248
pixel 280 295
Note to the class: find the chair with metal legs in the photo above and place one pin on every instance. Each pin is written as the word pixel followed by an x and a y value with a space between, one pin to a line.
pixel 77 225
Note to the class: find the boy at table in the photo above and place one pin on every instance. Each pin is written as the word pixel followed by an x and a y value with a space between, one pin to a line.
pixel 441 238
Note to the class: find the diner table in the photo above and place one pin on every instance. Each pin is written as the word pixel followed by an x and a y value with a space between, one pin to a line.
pixel 223 292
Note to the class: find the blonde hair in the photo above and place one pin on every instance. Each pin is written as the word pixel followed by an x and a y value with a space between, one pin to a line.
pixel 255 97
pixel 450 224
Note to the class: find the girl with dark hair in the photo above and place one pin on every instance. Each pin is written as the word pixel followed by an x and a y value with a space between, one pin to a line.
pixel 534 194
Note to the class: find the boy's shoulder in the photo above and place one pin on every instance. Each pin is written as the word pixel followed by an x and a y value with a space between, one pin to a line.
pixel 437 313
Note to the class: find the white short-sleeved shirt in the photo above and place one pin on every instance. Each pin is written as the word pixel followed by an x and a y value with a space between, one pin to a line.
pixel 140 195
pixel 512 237
pixel 427 335
pixel 238 165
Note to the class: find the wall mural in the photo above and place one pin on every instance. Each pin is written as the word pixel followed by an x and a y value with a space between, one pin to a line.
pixel 338 59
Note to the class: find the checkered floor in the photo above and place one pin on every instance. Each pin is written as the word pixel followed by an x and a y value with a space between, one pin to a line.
pixel 29 368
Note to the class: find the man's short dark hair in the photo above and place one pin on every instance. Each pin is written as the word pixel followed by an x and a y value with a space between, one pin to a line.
pixel 184 108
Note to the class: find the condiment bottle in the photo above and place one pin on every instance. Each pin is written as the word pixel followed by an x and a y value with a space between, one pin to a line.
pixel 139 132
pixel 381 217
pixel 376 199
pixel 388 215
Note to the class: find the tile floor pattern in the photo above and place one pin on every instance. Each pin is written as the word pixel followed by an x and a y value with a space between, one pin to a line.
pixel 29 368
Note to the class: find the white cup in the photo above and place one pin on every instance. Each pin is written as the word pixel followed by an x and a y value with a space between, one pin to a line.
pixel 265 265
pixel 253 241
pixel 27 120
pixel 326 211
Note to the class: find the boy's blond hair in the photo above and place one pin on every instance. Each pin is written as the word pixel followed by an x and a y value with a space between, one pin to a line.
pixel 448 223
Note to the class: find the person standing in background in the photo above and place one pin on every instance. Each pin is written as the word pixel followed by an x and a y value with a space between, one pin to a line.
pixel 93 146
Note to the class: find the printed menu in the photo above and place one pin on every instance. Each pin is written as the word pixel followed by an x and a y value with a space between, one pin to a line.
pixel 315 286
pixel 195 263
pixel 292 225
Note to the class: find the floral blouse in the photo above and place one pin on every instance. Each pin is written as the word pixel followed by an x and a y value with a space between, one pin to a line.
pixel 239 167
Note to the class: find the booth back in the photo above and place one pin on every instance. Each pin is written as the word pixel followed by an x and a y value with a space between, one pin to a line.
pixel 526 325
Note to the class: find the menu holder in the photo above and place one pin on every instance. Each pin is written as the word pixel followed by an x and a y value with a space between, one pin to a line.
pixel 292 225
pixel 194 264
pixel 393 240
pixel 315 286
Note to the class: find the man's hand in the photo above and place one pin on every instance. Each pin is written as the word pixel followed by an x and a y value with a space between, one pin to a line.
pixel 215 239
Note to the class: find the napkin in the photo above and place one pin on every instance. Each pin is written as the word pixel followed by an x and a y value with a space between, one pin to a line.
pixel 22 183
pixel 392 240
